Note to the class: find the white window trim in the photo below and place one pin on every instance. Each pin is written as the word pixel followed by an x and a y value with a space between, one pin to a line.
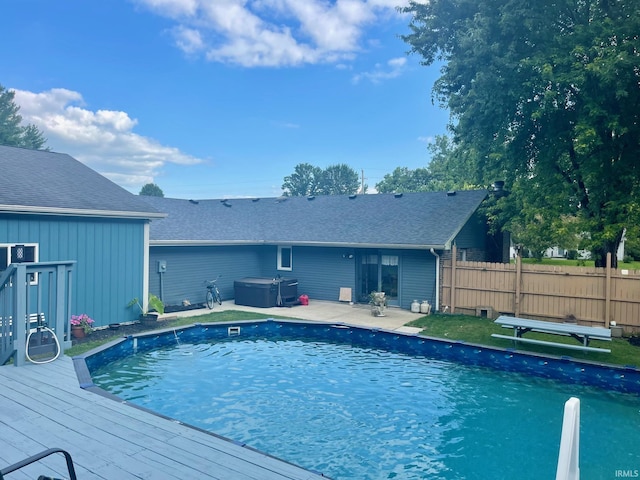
pixel 285 247
pixel 36 256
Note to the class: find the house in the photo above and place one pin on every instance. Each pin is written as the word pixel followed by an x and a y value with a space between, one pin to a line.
pixel 361 243
pixel 54 208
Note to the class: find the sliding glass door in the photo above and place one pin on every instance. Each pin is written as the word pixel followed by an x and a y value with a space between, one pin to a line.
pixel 380 273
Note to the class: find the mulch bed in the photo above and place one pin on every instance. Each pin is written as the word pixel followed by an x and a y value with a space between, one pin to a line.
pixel 131 329
pixel 121 331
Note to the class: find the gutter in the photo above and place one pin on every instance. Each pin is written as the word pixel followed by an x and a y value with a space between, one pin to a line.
pixel 77 212
pixel 437 305
pixel 187 243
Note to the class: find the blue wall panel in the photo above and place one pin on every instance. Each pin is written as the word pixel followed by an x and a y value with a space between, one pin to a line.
pixel 269 261
pixel 108 252
pixel 473 234
pixel 189 267
pixel 321 271
pixel 417 277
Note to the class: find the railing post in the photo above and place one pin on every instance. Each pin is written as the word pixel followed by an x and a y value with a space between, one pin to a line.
pixel 62 298
pixel 20 318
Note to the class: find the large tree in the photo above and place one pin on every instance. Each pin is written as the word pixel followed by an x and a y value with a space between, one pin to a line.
pixel 12 132
pixel 339 179
pixel 546 94
pixel 151 190
pixel 310 180
pixel 305 180
pixel 450 168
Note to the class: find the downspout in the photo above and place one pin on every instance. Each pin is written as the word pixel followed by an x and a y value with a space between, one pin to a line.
pixel 437 305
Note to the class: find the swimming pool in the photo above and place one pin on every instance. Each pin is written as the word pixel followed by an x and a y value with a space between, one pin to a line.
pixel 356 403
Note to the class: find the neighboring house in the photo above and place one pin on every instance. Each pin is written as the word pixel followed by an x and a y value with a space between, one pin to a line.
pixel 54 208
pixel 383 242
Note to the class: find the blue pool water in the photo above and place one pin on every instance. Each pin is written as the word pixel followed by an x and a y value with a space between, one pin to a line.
pixel 353 412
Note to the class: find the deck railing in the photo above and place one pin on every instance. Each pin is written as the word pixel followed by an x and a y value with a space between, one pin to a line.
pixel 33 290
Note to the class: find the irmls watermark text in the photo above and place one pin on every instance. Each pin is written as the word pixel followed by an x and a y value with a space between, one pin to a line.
pixel 627 473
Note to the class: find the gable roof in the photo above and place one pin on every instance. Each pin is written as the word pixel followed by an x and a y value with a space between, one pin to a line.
pixel 411 220
pixel 41 182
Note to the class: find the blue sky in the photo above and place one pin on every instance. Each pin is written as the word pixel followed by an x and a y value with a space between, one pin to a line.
pixel 220 98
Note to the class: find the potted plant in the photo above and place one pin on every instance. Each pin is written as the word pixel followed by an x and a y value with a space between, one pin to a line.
pixel 81 325
pixel 378 302
pixel 156 307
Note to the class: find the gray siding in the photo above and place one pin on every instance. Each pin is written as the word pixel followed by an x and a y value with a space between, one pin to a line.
pixel 417 277
pixel 473 234
pixel 322 271
pixel 108 252
pixel 189 267
pixel 269 262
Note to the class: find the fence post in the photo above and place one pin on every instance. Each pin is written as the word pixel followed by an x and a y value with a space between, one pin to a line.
pixel 607 298
pixel 454 253
pixel 518 282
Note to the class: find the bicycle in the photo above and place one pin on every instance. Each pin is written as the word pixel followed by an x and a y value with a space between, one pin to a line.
pixel 213 294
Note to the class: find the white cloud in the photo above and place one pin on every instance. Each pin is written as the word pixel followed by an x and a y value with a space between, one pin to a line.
pixel 102 139
pixel 272 32
pixel 188 40
pixel 392 69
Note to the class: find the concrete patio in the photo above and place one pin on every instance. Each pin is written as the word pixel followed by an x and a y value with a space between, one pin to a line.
pixel 324 311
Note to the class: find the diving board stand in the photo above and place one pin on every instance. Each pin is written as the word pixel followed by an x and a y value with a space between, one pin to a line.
pixel 581 333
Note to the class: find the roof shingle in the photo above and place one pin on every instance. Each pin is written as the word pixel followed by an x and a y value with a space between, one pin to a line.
pixel 38 181
pixel 411 220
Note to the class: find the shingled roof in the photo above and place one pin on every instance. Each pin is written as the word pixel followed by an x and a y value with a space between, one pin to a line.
pixel 410 220
pixel 36 181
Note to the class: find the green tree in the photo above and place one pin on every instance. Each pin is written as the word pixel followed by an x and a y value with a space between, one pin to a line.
pixel 450 168
pixel 403 179
pixel 310 180
pixel 545 94
pixel 304 181
pixel 12 132
pixel 152 190
pixel 339 180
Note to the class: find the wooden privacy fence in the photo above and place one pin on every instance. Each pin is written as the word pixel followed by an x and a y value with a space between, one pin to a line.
pixel 594 296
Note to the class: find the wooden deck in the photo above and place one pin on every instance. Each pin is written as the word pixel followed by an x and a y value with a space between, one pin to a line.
pixel 42 406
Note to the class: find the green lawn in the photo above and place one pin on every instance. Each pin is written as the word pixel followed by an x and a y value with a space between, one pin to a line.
pixel 478 330
pixel 451 327
pixel 577 263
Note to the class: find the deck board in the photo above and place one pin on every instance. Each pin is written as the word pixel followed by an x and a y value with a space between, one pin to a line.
pixel 42 406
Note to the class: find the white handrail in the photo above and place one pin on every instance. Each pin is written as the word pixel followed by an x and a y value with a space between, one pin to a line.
pixel 569 456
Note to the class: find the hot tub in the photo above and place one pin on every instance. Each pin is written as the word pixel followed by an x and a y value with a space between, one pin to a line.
pixel 263 292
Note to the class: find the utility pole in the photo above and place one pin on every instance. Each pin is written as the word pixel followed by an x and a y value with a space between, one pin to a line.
pixel 362 182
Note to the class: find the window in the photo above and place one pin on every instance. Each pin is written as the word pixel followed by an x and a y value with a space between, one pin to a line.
pixel 19 253
pixel 285 255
